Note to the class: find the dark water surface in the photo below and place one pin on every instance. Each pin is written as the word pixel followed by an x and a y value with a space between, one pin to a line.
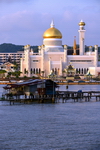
pixel 61 126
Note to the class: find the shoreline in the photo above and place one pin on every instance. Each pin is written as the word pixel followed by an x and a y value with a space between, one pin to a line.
pixel 78 83
pixel 62 83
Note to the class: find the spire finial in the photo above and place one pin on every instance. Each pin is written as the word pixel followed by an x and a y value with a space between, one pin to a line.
pixel 74 46
pixel 52 24
pixel 81 23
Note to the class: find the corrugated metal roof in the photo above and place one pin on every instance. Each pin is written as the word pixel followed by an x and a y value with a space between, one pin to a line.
pixel 29 82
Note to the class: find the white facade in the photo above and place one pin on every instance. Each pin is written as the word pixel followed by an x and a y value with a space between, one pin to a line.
pixel 53 56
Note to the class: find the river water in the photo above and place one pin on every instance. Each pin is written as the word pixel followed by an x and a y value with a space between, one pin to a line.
pixel 60 126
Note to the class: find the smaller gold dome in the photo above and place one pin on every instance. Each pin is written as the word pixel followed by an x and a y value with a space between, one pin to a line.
pixel 82 23
pixel 52 33
pixel 27 46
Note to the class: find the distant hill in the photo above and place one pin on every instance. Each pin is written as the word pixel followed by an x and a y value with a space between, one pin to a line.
pixel 8 47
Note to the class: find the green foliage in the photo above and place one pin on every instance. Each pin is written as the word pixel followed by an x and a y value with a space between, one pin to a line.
pixel 34 77
pixel 16 74
pixel 2 71
pixel 25 76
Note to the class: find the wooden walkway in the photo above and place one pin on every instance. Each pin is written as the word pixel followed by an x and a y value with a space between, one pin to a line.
pixel 77 96
pixel 61 96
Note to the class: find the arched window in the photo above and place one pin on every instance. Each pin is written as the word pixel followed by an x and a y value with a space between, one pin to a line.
pixel 31 71
pixel 82 71
pixel 34 70
pixel 39 70
pixel 76 70
pixel 79 71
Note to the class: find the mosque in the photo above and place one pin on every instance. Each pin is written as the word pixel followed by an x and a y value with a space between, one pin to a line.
pixel 52 56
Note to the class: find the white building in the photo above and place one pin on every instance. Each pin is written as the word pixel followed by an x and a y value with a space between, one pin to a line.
pixel 14 57
pixel 52 55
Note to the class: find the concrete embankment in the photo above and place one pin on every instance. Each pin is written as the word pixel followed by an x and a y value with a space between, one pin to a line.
pixel 78 83
pixel 7 82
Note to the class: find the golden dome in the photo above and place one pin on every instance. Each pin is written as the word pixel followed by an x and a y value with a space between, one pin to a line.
pixel 52 32
pixel 82 23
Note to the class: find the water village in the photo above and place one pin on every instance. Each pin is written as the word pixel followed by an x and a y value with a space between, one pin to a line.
pixel 43 91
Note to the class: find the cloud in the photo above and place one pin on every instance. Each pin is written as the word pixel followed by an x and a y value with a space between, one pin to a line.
pixel 24 26
pixel 67 15
pixel 27 25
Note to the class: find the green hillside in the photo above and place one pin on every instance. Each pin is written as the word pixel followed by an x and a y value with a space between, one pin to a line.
pixel 8 47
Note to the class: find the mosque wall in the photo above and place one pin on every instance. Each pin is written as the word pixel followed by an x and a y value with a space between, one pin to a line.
pixel 81 61
pixel 52 42
pixel 93 70
pixel 54 56
pixel 23 68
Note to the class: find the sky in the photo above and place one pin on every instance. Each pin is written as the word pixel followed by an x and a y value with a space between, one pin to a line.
pixel 23 22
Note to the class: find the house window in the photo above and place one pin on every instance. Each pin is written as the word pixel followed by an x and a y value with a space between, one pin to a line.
pixel 80 60
pixel 35 60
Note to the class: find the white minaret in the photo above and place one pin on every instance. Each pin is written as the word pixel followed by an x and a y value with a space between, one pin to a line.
pixel 65 53
pixel 96 56
pixel 42 60
pixel 27 58
pixel 81 38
